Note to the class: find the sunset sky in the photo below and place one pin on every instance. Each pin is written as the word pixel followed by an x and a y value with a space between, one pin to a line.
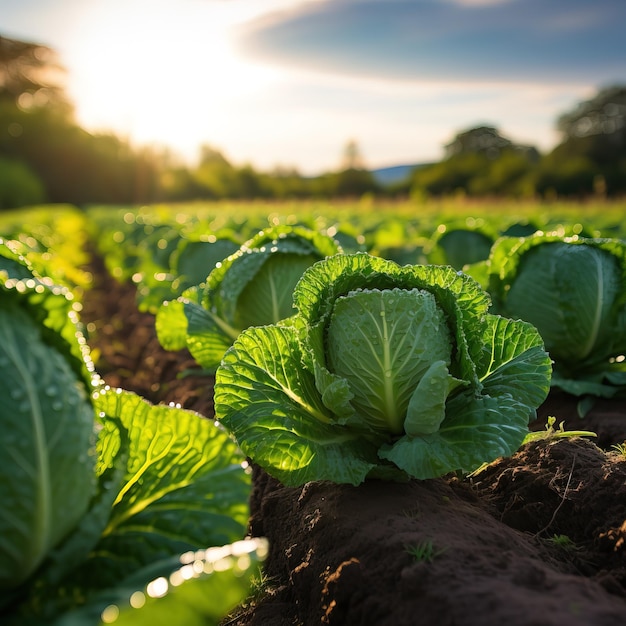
pixel 287 82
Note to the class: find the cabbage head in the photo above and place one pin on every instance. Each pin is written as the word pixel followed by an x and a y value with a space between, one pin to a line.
pixel 252 287
pixel 384 371
pixel 573 290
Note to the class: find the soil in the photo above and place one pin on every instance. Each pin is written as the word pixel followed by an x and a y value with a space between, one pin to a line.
pixel 535 539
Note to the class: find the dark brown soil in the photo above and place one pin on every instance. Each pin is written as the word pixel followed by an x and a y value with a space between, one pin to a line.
pixel 535 539
pixel 127 352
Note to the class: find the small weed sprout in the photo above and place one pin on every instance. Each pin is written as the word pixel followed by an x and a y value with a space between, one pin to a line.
pixel 412 513
pixel 556 433
pixel 621 448
pixel 424 551
pixel 562 541
pixel 549 433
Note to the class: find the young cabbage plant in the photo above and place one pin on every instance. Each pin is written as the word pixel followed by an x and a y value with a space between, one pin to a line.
pixel 573 290
pixel 384 371
pixel 252 287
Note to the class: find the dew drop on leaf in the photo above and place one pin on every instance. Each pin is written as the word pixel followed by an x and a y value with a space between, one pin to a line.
pixel 51 390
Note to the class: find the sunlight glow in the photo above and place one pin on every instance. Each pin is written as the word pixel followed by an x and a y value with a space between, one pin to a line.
pixel 161 72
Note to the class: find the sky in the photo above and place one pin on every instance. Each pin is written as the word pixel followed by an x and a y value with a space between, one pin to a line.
pixel 289 82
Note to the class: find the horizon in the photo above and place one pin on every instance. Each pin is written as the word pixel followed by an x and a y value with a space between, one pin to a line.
pixel 286 83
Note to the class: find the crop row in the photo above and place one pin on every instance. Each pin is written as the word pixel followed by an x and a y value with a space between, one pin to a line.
pixel 345 345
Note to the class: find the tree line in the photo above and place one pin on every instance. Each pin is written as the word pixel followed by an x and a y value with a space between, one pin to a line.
pixel 45 156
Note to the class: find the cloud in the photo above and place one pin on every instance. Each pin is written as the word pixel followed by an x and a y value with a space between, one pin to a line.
pixel 563 41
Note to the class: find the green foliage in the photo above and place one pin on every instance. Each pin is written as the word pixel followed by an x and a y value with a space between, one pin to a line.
pixel 563 542
pixel 384 371
pixel 53 239
pixel 566 173
pixel 621 448
pixel 25 71
pixel 46 418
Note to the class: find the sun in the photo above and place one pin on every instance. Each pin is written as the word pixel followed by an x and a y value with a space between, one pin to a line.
pixel 161 72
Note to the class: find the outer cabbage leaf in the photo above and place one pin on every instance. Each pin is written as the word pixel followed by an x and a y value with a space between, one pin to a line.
pixel 514 361
pixel 208 335
pixel 184 487
pixel 50 305
pixel 46 434
pixel 171 322
pixel 194 260
pixel 475 430
pixel 270 404
pixel 199 588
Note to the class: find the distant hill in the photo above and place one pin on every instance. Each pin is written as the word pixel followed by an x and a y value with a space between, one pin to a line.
pixel 394 174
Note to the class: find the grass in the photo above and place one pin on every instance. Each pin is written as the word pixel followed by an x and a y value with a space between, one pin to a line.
pixel 424 551
pixel 620 448
pixel 562 541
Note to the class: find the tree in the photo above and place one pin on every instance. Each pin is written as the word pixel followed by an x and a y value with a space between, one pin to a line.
pixel 353 179
pixel 592 153
pixel 479 161
pixel 604 117
pixel 30 76
pixel 18 185
pixel 482 139
pixel 352 159
pixel 508 175
pixel 215 175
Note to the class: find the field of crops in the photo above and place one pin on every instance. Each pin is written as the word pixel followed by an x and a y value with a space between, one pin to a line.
pixel 314 414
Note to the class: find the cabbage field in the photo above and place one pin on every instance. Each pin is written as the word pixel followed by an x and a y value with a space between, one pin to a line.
pixel 279 414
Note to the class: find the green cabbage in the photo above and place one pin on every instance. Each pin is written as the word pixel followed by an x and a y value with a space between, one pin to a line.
pixel 384 371
pixel 252 287
pixel 573 290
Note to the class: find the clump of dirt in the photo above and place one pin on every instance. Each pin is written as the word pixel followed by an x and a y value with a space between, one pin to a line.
pixel 535 539
pixel 483 551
